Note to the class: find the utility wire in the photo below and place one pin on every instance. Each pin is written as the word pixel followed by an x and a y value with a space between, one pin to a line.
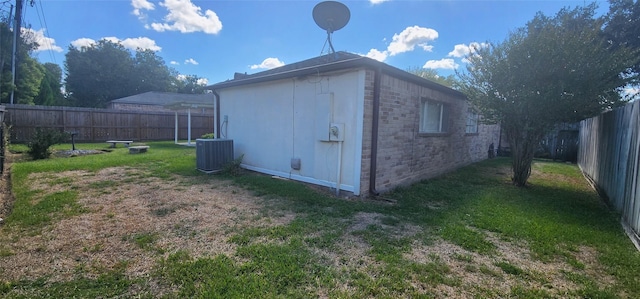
pixel 43 24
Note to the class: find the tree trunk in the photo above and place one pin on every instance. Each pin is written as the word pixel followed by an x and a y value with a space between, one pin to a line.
pixel 523 145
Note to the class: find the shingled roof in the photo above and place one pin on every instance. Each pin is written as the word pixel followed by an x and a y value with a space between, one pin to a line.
pixel 326 63
pixel 166 99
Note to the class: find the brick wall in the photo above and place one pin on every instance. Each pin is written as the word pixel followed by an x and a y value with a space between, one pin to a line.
pixel 405 155
pixel 366 132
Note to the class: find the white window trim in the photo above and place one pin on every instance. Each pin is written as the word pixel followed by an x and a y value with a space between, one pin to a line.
pixel 424 112
pixel 475 117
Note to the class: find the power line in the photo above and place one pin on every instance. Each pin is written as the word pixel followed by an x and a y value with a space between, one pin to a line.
pixel 46 30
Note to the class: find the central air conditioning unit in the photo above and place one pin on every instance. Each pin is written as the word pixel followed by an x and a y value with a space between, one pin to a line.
pixel 213 154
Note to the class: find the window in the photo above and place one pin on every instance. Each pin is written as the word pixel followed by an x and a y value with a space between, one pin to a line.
pixel 472 121
pixel 433 117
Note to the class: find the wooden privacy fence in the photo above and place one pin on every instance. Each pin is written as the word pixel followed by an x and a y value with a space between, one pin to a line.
pixel 609 155
pixel 99 125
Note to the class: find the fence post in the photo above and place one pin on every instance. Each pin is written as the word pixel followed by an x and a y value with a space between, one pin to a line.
pixel 2 141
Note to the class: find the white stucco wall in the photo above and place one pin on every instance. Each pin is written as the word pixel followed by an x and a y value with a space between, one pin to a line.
pixel 273 122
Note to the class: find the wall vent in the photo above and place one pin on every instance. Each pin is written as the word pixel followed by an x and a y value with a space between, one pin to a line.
pixel 213 154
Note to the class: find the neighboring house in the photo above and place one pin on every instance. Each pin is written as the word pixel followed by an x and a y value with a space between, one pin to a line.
pixel 154 101
pixel 351 122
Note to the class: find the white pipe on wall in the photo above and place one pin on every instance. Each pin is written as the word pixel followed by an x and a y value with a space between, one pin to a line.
pixel 339 167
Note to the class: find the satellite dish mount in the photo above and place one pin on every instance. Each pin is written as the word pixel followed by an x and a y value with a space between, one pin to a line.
pixel 331 16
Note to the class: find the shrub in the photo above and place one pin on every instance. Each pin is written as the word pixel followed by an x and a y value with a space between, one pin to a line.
pixel 42 140
pixel 233 167
pixel 208 136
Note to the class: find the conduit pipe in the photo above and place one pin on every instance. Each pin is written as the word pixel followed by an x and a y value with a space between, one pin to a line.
pixel 374 132
pixel 339 167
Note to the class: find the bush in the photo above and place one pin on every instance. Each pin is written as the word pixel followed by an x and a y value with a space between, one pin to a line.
pixel 208 136
pixel 42 140
pixel 233 167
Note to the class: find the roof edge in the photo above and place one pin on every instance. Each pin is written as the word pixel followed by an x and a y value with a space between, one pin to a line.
pixel 340 65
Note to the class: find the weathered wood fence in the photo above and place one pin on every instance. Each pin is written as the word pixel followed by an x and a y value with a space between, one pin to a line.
pixel 99 125
pixel 609 154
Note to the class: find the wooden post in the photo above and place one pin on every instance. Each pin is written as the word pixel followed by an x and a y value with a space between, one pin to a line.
pixel 176 128
pixel 189 126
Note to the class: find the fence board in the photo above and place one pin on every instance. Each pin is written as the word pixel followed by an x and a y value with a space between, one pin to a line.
pixel 609 154
pixel 99 125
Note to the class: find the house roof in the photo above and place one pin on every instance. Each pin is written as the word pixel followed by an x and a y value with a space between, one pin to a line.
pixel 327 63
pixel 170 99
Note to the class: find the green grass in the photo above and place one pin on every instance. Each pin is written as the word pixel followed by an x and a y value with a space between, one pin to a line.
pixel 473 208
pixel 34 215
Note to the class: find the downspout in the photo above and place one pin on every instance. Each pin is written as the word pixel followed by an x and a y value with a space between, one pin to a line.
pixel 215 93
pixel 374 132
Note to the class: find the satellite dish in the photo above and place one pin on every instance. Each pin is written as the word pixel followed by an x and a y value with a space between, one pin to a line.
pixel 331 16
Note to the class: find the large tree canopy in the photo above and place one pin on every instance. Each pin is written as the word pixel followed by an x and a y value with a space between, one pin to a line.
pixel 190 84
pixel 50 93
pixel 623 26
pixel 29 71
pixel 106 71
pixel 98 74
pixel 555 69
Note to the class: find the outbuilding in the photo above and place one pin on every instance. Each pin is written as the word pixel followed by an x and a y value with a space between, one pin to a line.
pixel 350 123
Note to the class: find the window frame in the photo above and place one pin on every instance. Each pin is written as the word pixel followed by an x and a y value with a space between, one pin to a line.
pixel 443 118
pixel 472 116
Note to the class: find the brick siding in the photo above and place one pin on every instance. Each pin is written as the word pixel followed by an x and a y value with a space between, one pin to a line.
pixel 405 155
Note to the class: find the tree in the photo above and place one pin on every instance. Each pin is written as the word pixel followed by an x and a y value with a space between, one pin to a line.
pixel 151 73
pixel 553 70
pixel 623 26
pixel 28 80
pixel 29 71
pixel 50 86
pixel 106 71
pixel 430 74
pixel 190 84
pixel 98 74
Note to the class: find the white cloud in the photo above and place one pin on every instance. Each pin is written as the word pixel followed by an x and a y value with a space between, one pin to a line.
pixel 173 62
pixel 139 5
pixel 374 2
pixel 143 43
pixel 268 63
pixel 445 63
pixel 462 50
pixel 83 42
pixel 44 43
pixel 191 61
pixel 411 37
pixel 200 81
pixel 406 41
pixel 185 17
pixel 377 55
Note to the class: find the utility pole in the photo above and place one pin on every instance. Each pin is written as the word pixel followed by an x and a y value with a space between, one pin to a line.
pixel 16 38
pixel 1 53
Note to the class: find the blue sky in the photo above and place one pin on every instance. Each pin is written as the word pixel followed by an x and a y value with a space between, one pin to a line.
pixel 214 39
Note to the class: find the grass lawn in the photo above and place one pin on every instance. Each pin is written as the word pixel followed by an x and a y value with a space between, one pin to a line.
pixel 151 226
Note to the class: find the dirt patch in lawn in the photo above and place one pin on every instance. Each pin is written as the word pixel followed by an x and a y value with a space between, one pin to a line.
pixel 132 219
